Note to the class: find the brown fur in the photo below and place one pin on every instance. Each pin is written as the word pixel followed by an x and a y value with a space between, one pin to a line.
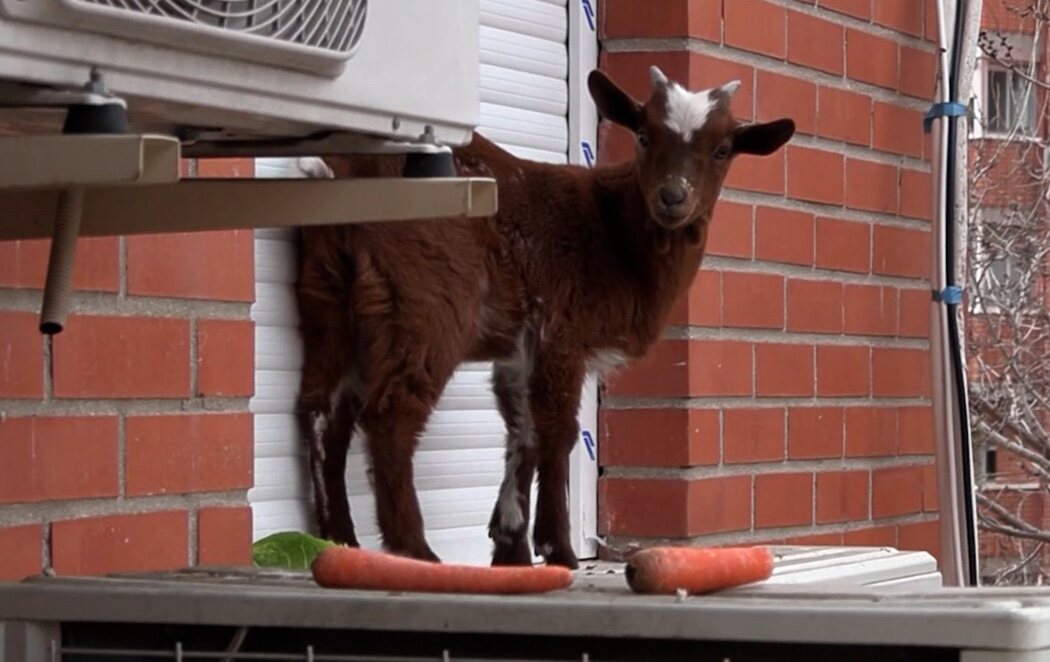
pixel 577 262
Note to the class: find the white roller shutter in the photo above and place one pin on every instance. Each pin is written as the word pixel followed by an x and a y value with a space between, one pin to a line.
pixel 459 463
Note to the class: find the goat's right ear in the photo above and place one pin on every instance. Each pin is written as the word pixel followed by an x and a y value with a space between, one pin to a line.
pixel 613 103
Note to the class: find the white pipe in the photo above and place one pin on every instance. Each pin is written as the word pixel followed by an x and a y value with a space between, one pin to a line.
pixel 952 471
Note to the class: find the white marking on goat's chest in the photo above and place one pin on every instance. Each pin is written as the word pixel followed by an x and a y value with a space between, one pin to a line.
pixel 604 361
pixel 687 112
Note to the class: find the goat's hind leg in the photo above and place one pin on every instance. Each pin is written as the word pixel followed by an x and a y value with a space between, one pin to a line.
pixel 326 412
pixel 508 527
pixel 329 432
pixel 393 432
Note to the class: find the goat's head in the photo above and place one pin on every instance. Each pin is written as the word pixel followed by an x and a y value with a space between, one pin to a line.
pixel 685 142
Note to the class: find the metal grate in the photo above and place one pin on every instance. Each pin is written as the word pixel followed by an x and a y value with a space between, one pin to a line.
pixel 333 25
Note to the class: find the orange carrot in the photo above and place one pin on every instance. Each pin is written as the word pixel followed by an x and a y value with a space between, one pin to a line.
pixel 352 567
pixel 697 570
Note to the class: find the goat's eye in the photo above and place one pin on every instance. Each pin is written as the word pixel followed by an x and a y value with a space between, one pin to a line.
pixel 643 139
pixel 722 152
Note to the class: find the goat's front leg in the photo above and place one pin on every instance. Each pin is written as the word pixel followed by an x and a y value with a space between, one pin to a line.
pixel 508 526
pixel 554 399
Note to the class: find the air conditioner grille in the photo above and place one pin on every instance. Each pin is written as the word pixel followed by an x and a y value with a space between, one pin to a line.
pixel 334 25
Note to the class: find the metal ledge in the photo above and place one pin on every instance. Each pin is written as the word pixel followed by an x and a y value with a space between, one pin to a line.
pixel 196 205
pixel 87 160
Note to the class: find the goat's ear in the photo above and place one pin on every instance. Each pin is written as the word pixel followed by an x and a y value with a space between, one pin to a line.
pixel 763 138
pixel 613 103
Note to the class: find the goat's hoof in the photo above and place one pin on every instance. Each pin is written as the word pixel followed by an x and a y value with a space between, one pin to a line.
pixel 512 553
pixel 558 555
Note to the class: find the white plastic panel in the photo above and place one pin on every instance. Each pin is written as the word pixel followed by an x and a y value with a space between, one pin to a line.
pixel 459 464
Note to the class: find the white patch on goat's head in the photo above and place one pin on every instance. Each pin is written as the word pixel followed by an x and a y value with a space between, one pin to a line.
pixel 687 112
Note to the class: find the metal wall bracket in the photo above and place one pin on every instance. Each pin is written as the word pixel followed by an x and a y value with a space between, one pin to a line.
pixel 129 184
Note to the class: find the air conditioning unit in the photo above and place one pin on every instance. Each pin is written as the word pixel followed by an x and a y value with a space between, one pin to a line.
pixel 254 74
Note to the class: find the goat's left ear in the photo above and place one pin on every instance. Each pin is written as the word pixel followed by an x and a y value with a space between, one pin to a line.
pixel 613 103
pixel 762 139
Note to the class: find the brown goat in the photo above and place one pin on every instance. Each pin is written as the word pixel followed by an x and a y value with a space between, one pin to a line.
pixel 577 272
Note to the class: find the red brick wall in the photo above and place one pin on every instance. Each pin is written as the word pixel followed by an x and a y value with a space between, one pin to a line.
pixel 125 441
pixel 790 398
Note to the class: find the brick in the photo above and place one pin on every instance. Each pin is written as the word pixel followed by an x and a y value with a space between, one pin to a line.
pixel 844 115
pixel 196 265
pixel 870 310
pixel 816 539
pixel 721 368
pixel 843 245
pixel 915 313
pixel 752 300
pixel 921 536
pixel 814 433
pixel 929 488
pixel 918 74
pixel 49 458
pixel 871 431
pixel 701 305
pixel 783 499
pixel 779 96
pixel 224 536
pixel 664 370
pixel 842 371
pixel 753 435
pixel 783 235
pixel 815 43
pixel 900 15
pixel 916 194
pixel 21 548
pixel 900 372
pixel 762 174
pixel 814 306
pixel 719 504
pixel 678 18
pixel 125 543
pixel 226 357
pixel 897 129
pixel 730 233
pixel 659 437
pixel 683 368
pixel 226 168
pixel 879 536
pixel 871 186
pixel 916 431
pixel 783 370
pixel 22 349
pixel 643 507
pixel 815 175
pixel 871 59
pixel 930 20
pixel 756 25
pixel 23 264
pixel 901 251
pixel 175 454
pixel 856 8
pixel 122 357
pixel 842 496
pixel 896 491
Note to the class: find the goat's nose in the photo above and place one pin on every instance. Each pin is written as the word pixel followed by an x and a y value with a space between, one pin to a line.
pixel 673 194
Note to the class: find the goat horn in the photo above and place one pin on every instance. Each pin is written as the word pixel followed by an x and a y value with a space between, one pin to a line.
pixel 657 77
pixel 731 87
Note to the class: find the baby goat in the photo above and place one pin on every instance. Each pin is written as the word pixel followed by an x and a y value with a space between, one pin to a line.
pixel 576 272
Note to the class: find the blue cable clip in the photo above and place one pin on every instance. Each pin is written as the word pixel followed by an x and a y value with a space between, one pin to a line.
pixel 943 109
pixel 949 295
